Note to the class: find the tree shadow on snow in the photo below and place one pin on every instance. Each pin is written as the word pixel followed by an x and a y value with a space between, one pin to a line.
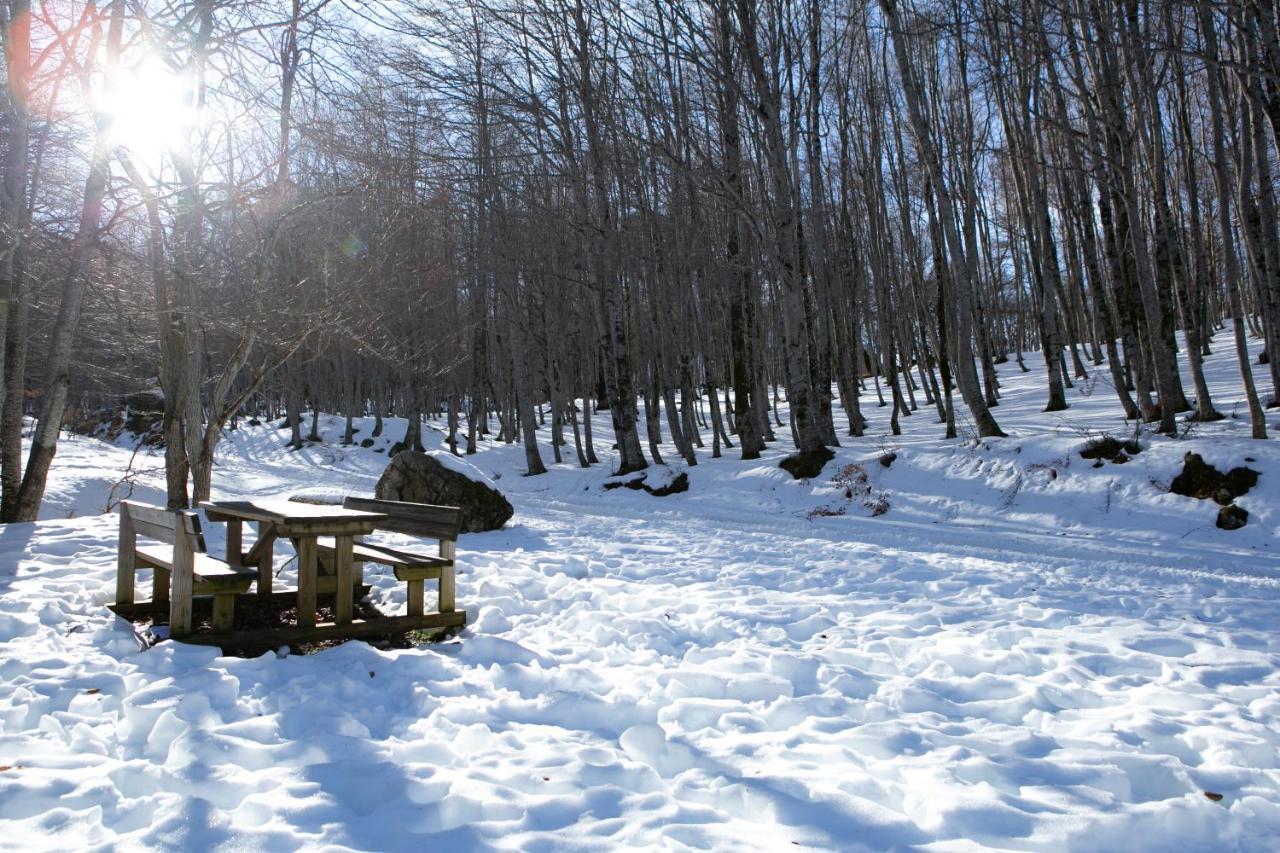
pixel 14 539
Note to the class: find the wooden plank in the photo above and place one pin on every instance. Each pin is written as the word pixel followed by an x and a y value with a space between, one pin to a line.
pixel 160 585
pixel 172 519
pixel 414 519
pixel 154 556
pixel 416 598
pixel 405 509
pixel 384 555
pixel 224 611
pixel 342 566
pixel 292 511
pixel 235 541
pixel 327 527
pixel 180 588
pixel 307 565
pixel 262 554
pixel 448 578
pixel 212 570
pixel 393 556
pixel 244 510
pixel 418 572
pixel 280 511
pixel 328 585
pixel 126 563
pixel 274 637
pixel 204 566
pixel 267 536
pixel 159 609
pixel 197 533
pixel 233 583
pixel 159 532
pixel 417 528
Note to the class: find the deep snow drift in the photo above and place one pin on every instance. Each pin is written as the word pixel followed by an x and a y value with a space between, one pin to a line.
pixel 1023 652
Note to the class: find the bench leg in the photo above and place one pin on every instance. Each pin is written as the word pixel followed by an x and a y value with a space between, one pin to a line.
pixel 448 589
pixel 160 585
pixel 415 597
pixel 180 589
pixel 126 560
pixel 307 582
pixel 235 542
pixel 264 561
pixel 124 582
pixel 357 566
pixel 342 565
pixel 224 611
pixel 448 579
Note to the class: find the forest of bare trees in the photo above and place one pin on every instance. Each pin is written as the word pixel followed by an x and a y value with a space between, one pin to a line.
pixel 513 213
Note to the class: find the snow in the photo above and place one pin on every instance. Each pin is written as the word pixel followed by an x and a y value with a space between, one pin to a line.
pixel 461 466
pixel 1024 652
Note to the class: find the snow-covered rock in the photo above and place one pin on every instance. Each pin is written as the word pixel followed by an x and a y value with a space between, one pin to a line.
pixel 443 479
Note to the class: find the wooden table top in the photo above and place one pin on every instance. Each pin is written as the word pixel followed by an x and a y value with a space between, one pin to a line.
pixel 286 513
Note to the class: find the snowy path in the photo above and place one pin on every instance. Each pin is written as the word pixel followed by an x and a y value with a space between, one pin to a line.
pixel 1007 659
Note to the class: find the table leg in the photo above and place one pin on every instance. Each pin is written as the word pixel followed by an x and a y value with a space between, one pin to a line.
pixel 235 542
pixel 160 585
pixel 265 555
pixel 342 567
pixel 357 566
pixel 306 581
pixel 414 605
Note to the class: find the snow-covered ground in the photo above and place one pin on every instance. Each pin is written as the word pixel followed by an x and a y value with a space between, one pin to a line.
pixel 1023 652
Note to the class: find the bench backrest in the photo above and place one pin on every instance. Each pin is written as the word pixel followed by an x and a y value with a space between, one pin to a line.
pixel 164 525
pixel 435 522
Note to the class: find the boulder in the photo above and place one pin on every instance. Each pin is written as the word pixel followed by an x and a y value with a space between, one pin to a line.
pixel 806 465
pixel 1201 480
pixel 429 479
pixel 664 482
pixel 1111 448
pixel 145 401
pixel 1232 517
pixel 679 483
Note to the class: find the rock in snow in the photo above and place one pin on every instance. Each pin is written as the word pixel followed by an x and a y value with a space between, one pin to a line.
pixel 428 479
pixel 658 481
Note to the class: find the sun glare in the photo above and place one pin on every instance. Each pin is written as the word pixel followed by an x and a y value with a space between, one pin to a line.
pixel 149 109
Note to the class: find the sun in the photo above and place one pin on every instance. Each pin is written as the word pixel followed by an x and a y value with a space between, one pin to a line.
pixel 149 112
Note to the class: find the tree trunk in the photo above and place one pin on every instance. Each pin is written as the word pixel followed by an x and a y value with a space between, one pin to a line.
pixel 53 400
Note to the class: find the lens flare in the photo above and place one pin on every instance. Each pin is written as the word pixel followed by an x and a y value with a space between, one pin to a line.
pixel 150 112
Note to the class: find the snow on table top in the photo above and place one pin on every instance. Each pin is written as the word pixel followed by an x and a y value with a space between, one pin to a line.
pixel 1007 659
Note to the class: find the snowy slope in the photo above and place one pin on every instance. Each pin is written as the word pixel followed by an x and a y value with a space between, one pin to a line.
pixel 1023 652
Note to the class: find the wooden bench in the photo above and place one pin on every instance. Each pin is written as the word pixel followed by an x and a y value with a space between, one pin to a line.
pixel 181 564
pixel 433 522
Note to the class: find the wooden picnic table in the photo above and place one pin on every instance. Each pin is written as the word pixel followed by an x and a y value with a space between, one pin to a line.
pixel 304 524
